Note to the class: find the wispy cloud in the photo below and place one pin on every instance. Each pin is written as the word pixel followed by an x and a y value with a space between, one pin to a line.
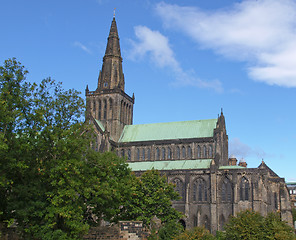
pixel 260 33
pixel 242 150
pixel 83 47
pixel 157 47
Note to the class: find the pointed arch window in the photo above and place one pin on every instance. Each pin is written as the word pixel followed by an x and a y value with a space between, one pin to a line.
pixel 244 189
pixel 148 154
pixel 105 110
pixel 111 108
pixel 200 192
pixel 129 154
pixel 183 152
pixel 143 153
pixel 210 151
pixel 138 154
pixel 226 191
pixel 189 152
pixel 178 153
pixel 205 151
pixel 275 201
pixel 198 152
pixel 169 153
pixel 179 187
pixel 100 109
pixel 157 154
pixel 122 153
pixel 163 153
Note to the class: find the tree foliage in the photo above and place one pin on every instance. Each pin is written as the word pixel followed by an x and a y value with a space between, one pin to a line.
pixel 251 225
pixel 199 233
pixel 51 182
pixel 151 196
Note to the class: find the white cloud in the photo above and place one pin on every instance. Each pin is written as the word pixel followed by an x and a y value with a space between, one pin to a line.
pixel 261 33
pixel 81 46
pixel 242 150
pixel 157 47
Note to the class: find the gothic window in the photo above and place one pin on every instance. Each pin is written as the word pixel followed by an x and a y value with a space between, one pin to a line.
pixel 121 111
pixel 163 153
pixel 189 152
pixel 183 152
pixel 122 152
pixel 179 188
pixel 226 191
pixel 210 151
pixel 195 220
pixel 138 154
pixel 169 153
pixel 94 107
pixel 129 154
pixel 157 154
pixel 100 109
pixel 178 153
pixel 105 109
pixel 244 189
pixel 275 201
pixel 148 154
pixel 200 190
pixel 206 222
pixel 222 222
pixel 143 153
pixel 124 113
pixel 205 151
pixel 198 152
pixel 111 108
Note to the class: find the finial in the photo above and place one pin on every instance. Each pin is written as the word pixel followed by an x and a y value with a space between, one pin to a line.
pixel 114 12
pixel 221 110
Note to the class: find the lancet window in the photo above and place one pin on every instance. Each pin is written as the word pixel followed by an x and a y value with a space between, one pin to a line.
pixel 244 189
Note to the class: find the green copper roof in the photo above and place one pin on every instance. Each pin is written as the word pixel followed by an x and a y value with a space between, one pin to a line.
pixel 166 131
pixel 100 125
pixel 171 165
pixel 232 167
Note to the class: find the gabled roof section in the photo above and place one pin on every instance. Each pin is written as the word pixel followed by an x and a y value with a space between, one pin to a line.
pixel 167 131
pixel 171 165
pixel 231 167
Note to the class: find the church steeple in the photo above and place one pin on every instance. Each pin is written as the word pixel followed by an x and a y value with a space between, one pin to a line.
pixel 111 76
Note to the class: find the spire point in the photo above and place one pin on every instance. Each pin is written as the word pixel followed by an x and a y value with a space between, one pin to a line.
pixel 114 12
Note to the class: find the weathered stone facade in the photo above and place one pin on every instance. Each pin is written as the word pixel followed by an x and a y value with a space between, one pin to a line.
pixel 192 154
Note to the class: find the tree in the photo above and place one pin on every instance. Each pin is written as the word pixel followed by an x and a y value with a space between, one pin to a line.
pixel 275 228
pixel 246 225
pixel 199 233
pixel 151 196
pixel 251 225
pixel 51 182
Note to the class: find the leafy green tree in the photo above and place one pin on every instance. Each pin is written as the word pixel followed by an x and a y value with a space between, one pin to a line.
pixel 196 233
pixel 167 231
pixel 251 225
pixel 294 214
pixel 151 196
pixel 246 225
pixel 275 228
pixel 51 182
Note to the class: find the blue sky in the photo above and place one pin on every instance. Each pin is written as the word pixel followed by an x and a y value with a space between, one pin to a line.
pixel 184 60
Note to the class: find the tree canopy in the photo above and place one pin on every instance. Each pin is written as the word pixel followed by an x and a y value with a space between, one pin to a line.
pixel 151 196
pixel 53 185
pixel 51 182
pixel 250 225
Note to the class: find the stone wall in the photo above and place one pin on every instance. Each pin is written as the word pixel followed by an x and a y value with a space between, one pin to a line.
pixel 124 230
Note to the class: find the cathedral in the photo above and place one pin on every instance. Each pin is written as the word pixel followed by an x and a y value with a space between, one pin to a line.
pixel 191 154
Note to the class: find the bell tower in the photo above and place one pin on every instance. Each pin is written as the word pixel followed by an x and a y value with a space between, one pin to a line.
pixel 109 105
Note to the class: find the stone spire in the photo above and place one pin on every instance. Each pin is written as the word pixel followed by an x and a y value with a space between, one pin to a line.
pixel 111 76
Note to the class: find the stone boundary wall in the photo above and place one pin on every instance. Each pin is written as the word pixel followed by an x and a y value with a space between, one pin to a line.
pixel 124 230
